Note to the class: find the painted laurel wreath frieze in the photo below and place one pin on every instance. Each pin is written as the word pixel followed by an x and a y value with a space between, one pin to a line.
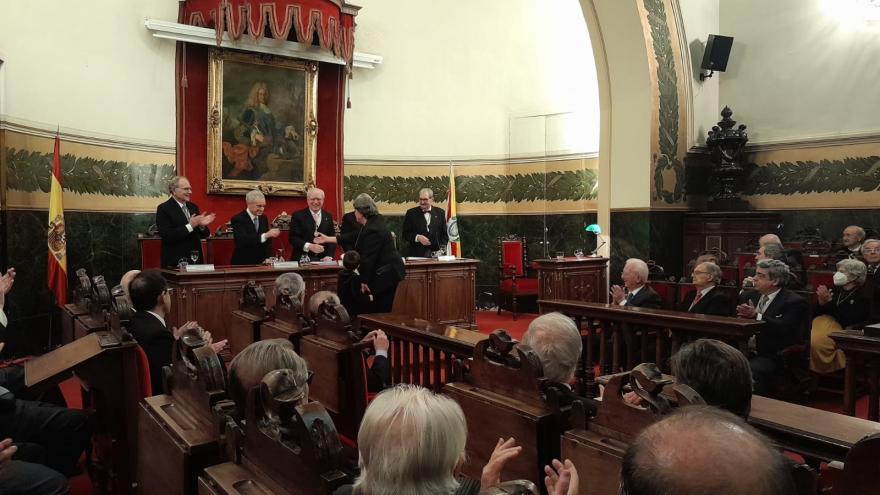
pixel 553 186
pixel 29 171
pixel 666 161
pixel 808 177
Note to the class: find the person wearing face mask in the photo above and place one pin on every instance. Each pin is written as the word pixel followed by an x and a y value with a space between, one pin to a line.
pixel 846 306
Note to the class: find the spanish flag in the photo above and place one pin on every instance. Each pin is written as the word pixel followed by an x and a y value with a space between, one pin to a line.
pixel 454 247
pixel 57 265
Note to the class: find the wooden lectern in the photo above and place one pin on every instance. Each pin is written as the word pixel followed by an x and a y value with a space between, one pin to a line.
pixel 107 367
pixel 177 430
pixel 283 449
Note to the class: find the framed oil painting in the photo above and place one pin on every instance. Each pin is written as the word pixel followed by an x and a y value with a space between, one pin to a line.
pixel 262 125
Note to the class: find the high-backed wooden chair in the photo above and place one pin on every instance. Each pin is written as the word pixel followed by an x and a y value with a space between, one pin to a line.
pixel 284 320
pixel 244 326
pixel 861 470
pixel 282 448
pixel 501 397
pixel 335 354
pixel 179 426
pixel 515 282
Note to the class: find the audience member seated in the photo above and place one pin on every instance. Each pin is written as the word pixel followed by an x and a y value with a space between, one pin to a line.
pixel 319 298
pixel 349 285
pixel 701 450
pixel 291 285
pixel 769 239
pixel 848 306
pixel 557 342
pixel 249 366
pixel 11 377
pixel 125 281
pixel 49 441
pixel 773 251
pixel 871 255
pixel 717 371
pixel 785 315
pixel 851 242
pixel 635 292
pixel 705 298
pixel 151 299
pixel 412 440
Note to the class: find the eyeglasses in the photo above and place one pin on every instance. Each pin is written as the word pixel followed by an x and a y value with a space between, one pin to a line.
pixel 871 250
pixel 698 272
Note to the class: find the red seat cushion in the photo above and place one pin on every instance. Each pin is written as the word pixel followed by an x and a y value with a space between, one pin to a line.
pixel 524 286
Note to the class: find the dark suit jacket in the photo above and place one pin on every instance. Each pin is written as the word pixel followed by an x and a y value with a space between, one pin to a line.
pixel 414 224
pixel 302 230
pixel 646 297
pixel 787 321
pixel 715 302
pixel 248 248
pixel 177 241
pixel 379 375
pixel 348 288
pixel 157 341
pixel 381 267
pixel 348 230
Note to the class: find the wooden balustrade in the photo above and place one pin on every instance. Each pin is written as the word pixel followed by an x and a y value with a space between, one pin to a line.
pixel 610 325
pixel 422 353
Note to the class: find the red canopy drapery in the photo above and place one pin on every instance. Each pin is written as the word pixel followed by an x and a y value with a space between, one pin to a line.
pixel 331 20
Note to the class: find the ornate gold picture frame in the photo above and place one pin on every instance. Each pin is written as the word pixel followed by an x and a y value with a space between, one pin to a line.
pixel 262 123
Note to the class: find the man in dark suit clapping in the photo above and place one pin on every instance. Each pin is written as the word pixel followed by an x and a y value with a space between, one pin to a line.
pixel 786 317
pixel 637 293
pixel 307 223
pixel 151 299
pixel 424 227
pixel 180 224
pixel 253 237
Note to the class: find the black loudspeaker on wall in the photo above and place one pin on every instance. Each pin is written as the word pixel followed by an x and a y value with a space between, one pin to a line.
pixel 716 54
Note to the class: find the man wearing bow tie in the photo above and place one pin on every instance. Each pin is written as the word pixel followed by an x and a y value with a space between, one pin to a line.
pixel 180 224
pixel 424 227
pixel 253 237
pixel 307 223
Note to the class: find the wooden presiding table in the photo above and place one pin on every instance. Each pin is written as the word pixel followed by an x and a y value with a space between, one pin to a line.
pixel 443 291
pixel 862 355
pixel 578 279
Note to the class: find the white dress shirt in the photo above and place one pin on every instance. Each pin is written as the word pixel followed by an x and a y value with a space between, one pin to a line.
pixel 254 217
pixel 189 226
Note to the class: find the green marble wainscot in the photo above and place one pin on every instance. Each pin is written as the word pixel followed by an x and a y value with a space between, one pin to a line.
pixel 647 235
pixel 103 243
pixel 480 233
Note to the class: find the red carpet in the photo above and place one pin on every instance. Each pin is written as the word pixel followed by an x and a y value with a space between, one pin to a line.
pixel 488 321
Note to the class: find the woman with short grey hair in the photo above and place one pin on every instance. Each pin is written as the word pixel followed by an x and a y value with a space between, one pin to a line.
pixel 848 305
pixel 381 268
pixel 292 285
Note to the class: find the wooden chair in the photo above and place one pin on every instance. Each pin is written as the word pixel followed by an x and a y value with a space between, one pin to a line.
pixel 283 448
pixel 513 270
pixel 284 320
pixel 501 397
pixel 179 426
pixel 861 470
pixel 244 328
pixel 334 352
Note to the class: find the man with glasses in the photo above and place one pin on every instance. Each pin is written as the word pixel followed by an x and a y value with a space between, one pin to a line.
pixel 424 227
pixel 786 318
pixel 151 298
pixel 180 224
pixel 706 298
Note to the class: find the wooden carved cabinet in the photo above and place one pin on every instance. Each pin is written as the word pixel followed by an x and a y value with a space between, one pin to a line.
pixel 575 279
pixel 449 293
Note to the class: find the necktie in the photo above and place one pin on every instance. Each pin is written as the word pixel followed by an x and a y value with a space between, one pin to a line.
pixel 762 304
pixel 696 299
pixel 629 297
pixel 257 224
pixel 186 211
